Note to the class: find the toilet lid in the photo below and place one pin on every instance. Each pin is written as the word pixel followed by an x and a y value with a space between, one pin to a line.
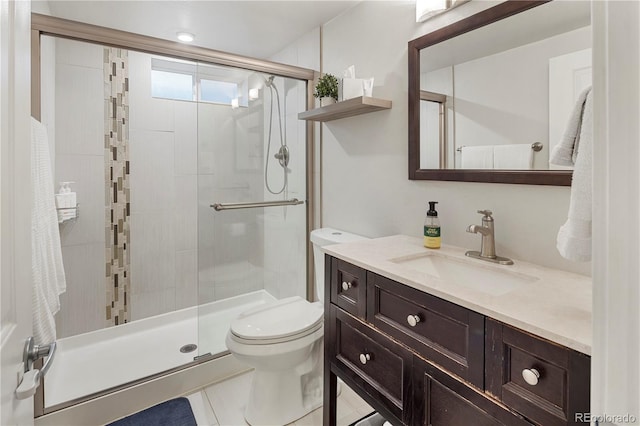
pixel 283 318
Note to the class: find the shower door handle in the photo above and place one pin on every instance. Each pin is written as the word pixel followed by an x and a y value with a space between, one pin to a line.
pixel 235 206
pixel 31 379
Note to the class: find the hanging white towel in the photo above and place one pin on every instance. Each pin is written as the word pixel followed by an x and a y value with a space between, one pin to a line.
pixel 476 157
pixel 513 157
pixel 47 271
pixel 566 151
pixel 574 237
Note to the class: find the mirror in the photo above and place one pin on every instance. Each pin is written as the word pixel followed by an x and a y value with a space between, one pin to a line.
pixel 490 95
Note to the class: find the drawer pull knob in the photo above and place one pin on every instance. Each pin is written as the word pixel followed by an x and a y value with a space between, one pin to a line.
pixel 346 285
pixel 364 358
pixel 531 376
pixel 413 320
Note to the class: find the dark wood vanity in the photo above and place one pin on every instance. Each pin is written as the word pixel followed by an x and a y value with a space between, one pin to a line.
pixel 421 360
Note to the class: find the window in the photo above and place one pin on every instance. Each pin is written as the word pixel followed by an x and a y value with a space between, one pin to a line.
pixel 171 85
pixel 188 81
pixel 220 92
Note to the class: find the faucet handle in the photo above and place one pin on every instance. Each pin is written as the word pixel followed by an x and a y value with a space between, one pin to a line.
pixel 485 212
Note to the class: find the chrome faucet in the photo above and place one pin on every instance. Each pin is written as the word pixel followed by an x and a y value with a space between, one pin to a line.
pixel 488 246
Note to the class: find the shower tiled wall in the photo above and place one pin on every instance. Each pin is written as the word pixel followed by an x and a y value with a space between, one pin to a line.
pixel 117 193
pixel 73 104
pixel 164 154
pixel 285 228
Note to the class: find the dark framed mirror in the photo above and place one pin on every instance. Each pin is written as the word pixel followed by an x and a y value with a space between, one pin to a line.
pixel 490 95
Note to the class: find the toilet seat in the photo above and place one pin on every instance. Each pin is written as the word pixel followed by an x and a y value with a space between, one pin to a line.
pixel 281 321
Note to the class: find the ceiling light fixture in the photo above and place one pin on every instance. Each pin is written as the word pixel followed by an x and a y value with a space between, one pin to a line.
pixel 186 37
pixel 254 94
pixel 235 103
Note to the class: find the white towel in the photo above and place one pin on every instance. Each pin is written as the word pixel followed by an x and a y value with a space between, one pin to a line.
pixel 477 157
pixel 574 237
pixel 513 157
pixel 47 271
pixel 566 151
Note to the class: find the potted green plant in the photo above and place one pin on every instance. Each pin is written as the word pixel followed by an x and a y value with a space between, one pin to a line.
pixel 327 90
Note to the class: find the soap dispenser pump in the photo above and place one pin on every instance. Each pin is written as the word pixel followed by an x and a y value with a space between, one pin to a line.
pixel 432 238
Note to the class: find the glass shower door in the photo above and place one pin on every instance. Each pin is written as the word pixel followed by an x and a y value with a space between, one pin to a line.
pixel 251 160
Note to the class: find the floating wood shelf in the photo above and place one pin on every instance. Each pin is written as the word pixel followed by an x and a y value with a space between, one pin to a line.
pixel 348 108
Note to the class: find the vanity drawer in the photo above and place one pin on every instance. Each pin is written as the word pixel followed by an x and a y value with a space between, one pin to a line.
pixel 440 331
pixel 442 400
pixel 375 363
pixel 561 389
pixel 348 287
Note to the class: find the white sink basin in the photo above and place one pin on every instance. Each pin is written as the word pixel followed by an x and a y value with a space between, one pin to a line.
pixel 492 279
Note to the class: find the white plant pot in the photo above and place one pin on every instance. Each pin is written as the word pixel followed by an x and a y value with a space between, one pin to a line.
pixel 327 100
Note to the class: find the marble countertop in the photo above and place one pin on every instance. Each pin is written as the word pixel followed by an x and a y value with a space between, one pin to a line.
pixel 549 303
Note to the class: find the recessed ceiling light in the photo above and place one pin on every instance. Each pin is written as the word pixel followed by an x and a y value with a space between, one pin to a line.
pixel 186 37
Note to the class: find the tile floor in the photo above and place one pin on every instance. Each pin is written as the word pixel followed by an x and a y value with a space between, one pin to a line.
pixel 223 404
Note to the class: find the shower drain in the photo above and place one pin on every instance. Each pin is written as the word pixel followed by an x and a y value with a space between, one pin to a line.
pixel 188 348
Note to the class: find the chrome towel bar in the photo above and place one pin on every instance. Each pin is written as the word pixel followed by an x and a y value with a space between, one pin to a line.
pixel 235 206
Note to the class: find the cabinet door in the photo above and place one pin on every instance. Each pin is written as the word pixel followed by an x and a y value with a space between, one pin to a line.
pixel 440 331
pixel 441 400
pixel 377 367
pixel 348 287
pixel 558 396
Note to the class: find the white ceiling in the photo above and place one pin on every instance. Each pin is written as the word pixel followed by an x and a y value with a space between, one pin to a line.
pixel 253 28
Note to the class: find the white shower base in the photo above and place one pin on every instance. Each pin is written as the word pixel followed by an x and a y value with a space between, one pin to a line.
pixel 94 362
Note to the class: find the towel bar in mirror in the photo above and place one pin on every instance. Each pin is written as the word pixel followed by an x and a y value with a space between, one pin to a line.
pixel 506 78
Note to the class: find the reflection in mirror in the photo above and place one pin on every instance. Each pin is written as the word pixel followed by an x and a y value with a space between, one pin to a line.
pixel 433 131
pixel 504 90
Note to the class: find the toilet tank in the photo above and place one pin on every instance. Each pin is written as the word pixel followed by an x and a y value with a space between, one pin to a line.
pixel 320 238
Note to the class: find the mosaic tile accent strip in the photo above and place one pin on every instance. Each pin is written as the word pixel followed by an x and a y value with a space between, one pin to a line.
pixel 116 144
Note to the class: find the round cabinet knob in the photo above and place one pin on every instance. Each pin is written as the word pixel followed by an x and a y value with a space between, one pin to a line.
pixel 364 358
pixel 346 285
pixel 413 320
pixel 531 376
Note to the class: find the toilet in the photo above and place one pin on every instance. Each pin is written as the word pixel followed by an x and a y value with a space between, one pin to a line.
pixel 282 341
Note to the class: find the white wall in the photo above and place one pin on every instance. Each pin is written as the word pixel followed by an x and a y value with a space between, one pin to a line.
pixel 366 189
pixel 615 379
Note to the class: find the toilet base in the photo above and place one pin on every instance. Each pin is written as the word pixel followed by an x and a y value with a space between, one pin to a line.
pixel 278 398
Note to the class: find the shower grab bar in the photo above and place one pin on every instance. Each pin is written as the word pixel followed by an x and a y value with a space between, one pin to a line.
pixel 235 206
pixel 536 146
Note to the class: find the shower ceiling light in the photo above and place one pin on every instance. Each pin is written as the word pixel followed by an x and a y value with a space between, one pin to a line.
pixel 253 94
pixel 186 37
pixel 425 9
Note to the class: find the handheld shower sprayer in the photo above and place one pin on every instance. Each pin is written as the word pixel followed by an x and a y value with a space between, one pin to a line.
pixel 283 153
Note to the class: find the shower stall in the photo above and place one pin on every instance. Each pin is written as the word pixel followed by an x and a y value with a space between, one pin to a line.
pixel 192 177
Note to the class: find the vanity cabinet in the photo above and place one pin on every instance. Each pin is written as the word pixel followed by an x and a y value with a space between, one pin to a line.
pixel 421 360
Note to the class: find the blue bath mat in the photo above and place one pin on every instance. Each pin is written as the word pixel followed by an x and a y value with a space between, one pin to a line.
pixel 176 412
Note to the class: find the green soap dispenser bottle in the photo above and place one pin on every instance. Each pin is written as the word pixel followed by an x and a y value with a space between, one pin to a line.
pixel 432 238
